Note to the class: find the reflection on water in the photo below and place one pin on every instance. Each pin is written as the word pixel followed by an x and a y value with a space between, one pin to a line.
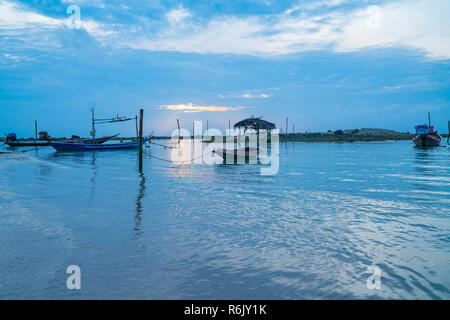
pixel 139 208
pixel 193 231
pixel 94 175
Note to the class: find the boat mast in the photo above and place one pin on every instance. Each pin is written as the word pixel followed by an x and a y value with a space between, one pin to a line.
pixel 429 120
pixel 35 130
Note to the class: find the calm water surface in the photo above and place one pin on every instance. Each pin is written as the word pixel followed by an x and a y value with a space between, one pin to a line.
pixel 227 232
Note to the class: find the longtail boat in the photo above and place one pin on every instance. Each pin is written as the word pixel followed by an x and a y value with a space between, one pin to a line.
pixel 94 141
pixel 238 155
pixel 426 135
pixel 65 146
pixel 23 143
pixel 12 141
pixel 37 143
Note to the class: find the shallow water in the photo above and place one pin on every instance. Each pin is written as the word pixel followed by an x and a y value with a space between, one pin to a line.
pixel 225 231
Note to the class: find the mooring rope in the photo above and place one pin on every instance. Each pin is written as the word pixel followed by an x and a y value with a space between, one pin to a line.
pixel 164 146
pixel 169 160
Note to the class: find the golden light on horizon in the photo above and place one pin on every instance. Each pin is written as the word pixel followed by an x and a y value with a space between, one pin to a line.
pixel 189 108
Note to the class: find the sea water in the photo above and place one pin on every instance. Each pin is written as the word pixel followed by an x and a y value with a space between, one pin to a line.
pixel 337 221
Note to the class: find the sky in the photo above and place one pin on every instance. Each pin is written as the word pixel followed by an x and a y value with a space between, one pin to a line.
pixel 324 64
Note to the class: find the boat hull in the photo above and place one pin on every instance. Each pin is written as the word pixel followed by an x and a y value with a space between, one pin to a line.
pixel 27 143
pixel 94 141
pixel 427 141
pixel 63 146
pixel 238 156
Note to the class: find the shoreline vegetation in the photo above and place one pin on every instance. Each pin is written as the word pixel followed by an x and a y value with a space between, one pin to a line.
pixel 355 135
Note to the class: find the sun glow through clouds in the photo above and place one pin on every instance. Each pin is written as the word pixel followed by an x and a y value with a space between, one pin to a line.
pixel 189 108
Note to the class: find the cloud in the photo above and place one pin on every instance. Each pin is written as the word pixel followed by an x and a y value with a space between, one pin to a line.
pixel 421 25
pixel 431 106
pixel 176 16
pixel 86 3
pixel 14 16
pixel 246 96
pixel 316 5
pixel 34 29
pixel 417 24
pixel 249 96
pixel 189 108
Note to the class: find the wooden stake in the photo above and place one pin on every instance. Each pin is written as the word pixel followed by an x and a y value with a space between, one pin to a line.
pixel 448 137
pixel 287 129
pixel 137 131
pixel 93 124
pixel 141 123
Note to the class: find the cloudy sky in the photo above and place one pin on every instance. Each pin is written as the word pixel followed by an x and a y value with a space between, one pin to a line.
pixel 325 64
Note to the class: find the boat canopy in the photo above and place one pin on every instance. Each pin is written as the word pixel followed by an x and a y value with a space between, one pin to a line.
pixel 421 129
pixel 11 137
pixel 255 124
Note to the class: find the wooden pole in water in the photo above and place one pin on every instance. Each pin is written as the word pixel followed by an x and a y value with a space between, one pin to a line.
pixel 287 129
pixel 448 137
pixel 178 125
pixel 93 124
pixel 35 130
pixel 137 131
pixel 141 123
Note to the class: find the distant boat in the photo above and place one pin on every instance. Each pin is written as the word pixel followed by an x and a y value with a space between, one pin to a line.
pixel 233 155
pixel 68 146
pixel 36 143
pixel 12 141
pixel 43 141
pixel 427 136
pixel 27 143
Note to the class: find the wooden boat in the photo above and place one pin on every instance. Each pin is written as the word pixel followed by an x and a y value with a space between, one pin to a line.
pixel 12 141
pixel 238 155
pixel 94 141
pixel 432 139
pixel 65 146
pixel 43 141
pixel 427 136
pixel 23 143
pixel 7 152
